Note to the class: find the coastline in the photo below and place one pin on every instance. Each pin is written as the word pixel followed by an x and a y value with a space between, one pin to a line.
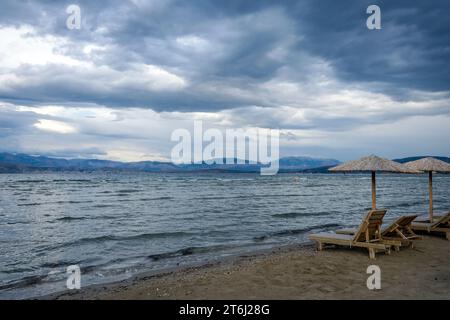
pixel 293 272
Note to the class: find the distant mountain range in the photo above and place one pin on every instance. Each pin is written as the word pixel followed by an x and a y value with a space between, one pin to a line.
pixel 21 163
pixel 17 163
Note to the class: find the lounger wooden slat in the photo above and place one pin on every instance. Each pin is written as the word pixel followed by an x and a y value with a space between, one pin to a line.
pixel 368 235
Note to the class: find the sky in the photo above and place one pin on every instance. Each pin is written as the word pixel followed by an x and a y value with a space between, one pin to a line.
pixel 137 70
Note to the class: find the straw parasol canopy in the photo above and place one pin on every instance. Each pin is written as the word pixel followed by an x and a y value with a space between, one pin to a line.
pixel 373 164
pixel 429 165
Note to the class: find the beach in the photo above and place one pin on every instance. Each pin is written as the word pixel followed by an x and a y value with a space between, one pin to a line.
pixel 295 272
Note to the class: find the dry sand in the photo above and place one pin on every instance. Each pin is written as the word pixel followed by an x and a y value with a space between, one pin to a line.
pixel 297 273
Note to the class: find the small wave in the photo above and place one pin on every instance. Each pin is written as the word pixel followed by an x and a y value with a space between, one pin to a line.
pixel 103 206
pixel 31 181
pixel 29 204
pixel 409 204
pixel 296 214
pixel 15 222
pixel 295 231
pixel 73 201
pixel 71 218
pixel 55 202
pixel 58 264
pixel 185 251
pixel 128 190
pixel 235 179
pixel 155 199
pixel 105 238
pixel 80 180
pixel 16 270
pixel 223 198
pixel 251 196
pixel 300 214
pixel 151 235
pixel 23 283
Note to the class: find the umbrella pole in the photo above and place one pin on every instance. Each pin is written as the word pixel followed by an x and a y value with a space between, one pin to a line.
pixel 430 190
pixel 374 191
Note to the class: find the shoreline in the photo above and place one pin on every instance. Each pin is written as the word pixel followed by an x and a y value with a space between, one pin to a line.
pixel 178 269
pixel 295 271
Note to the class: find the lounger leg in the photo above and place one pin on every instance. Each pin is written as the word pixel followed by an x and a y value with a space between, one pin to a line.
pixel 447 235
pixel 372 253
pixel 397 248
pixel 319 246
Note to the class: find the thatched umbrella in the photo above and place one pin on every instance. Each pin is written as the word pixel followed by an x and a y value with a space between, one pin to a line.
pixel 373 164
pixel 429 165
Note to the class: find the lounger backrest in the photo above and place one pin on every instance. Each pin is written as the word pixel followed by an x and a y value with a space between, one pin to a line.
pixel 442 220
pixel 370 228
pixel 406 220
pixel 401 223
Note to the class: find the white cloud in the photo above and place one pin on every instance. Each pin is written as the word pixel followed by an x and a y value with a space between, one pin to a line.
pixel 24 46
pixel 193 42
pixel 154 77
pixel 54 126
pixel 48 59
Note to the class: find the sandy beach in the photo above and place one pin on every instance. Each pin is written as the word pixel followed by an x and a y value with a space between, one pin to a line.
pixel 296 273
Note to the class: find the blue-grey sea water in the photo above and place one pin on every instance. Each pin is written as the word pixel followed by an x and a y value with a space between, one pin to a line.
pixel 115 225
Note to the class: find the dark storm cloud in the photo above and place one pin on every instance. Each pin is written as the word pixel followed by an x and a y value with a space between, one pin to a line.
pixel 225 50
pixel 411 50
pixel 10 122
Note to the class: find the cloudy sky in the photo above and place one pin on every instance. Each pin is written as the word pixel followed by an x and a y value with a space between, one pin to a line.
pixel 137 70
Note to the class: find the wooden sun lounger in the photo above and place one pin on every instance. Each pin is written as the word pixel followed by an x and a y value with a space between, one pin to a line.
pixel 367 236
pixel 399 231
pixel 442 225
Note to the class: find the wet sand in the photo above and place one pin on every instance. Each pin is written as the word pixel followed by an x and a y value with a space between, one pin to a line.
pixel 296 273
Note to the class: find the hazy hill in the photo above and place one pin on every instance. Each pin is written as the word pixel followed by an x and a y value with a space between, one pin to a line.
pixel 12 162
